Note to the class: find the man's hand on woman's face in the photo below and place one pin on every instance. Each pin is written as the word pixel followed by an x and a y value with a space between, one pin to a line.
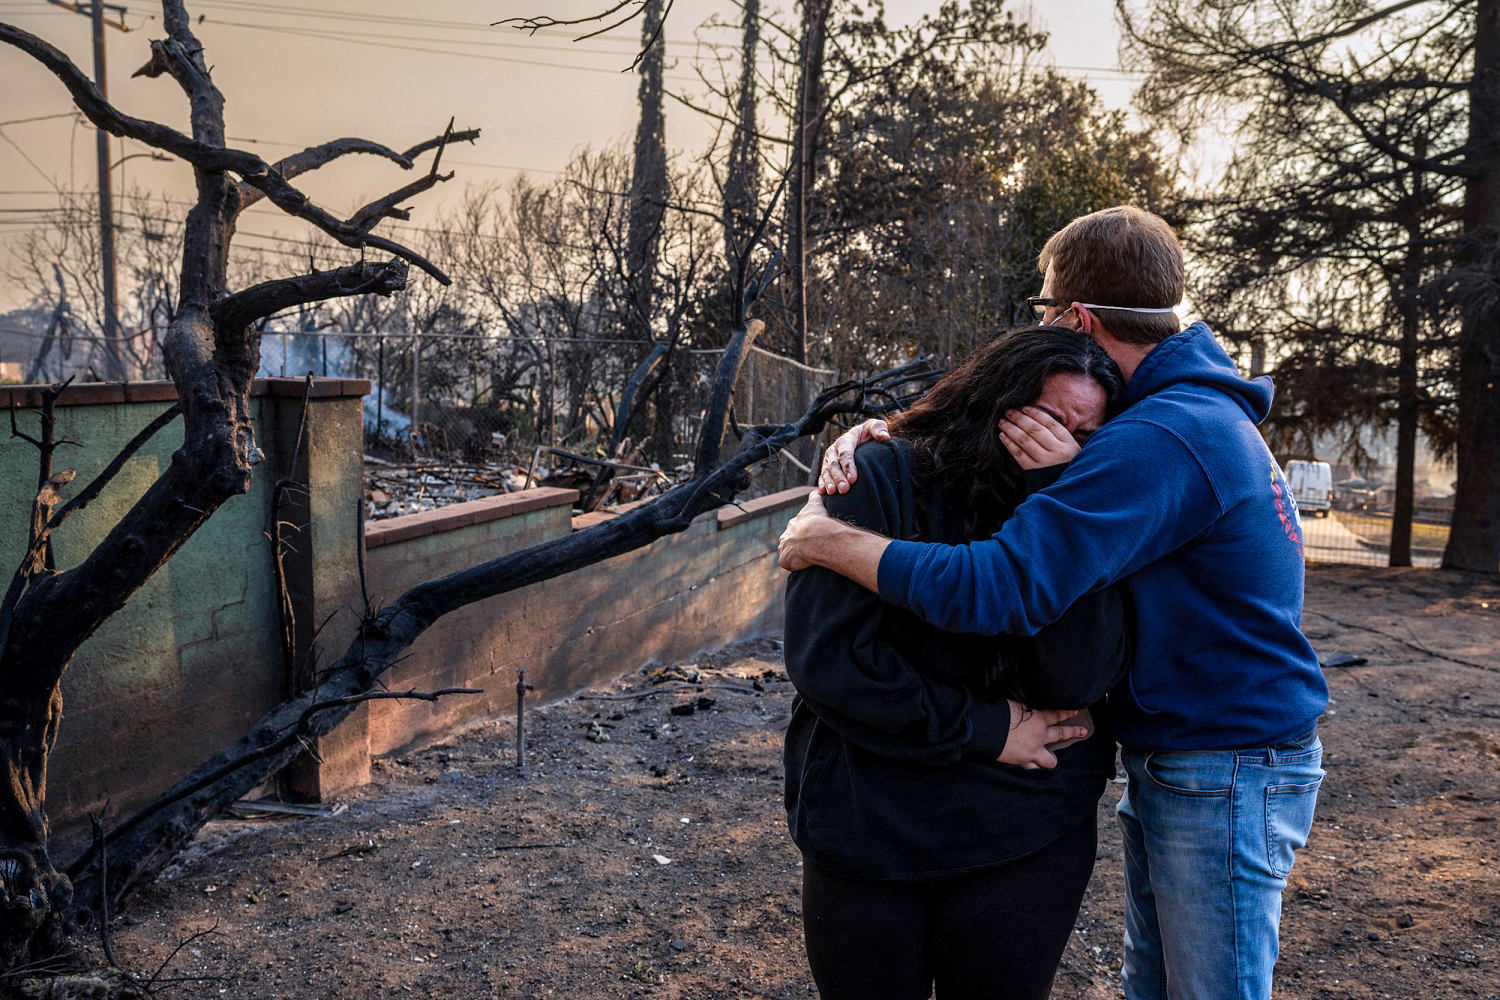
pixel 838 474
pixel 1035 439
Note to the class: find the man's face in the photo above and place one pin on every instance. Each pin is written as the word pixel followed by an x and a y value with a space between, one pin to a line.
pixel 1050 314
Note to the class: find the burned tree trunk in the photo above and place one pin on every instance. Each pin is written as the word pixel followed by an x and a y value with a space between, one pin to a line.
pixel 211 353
pixel 1474 541
pixel 648 181
pixel 742 178
pixel 802 177
pixel 34 897
pixel 803 168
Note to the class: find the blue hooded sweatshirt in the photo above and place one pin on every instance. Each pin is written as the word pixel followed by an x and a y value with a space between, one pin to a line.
pixel 1179 498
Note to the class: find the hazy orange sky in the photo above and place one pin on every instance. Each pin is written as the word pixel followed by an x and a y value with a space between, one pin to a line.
pixel 297 74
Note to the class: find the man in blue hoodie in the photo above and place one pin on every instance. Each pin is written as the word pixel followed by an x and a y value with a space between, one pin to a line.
pixel 1179 498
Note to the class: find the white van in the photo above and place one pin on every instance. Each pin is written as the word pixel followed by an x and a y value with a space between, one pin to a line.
pixel 1312 485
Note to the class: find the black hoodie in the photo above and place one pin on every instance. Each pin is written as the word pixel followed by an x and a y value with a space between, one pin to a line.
pixel 891 768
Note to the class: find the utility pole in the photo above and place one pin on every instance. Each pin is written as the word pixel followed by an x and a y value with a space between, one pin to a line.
pixel 112 345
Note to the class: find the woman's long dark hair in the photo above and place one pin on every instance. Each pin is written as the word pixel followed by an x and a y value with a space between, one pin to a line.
pixel 954 429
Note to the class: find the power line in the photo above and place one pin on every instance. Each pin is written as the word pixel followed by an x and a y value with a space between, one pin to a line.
pixel 394 19
pixel 334 37
pixel 40 118
pixel 365 17
pixel 44 175
pixel 345 35
pixel 491 43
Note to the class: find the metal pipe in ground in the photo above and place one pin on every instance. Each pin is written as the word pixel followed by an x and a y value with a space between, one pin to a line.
pixel 521 688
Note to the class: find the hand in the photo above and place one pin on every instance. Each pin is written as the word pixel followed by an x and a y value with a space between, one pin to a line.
pixel 1035 439
pixel 815 538
pixel 1032 731
pixel 792 550
pixel 838 474
pixel 1084 720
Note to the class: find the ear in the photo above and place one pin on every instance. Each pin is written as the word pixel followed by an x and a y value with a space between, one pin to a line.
pixel 1069 319
pixel 1087 322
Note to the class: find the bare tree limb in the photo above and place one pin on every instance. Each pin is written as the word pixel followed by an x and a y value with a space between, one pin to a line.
pixel 717 415
pixel 314 157
pixel 294 202
pixel 717 116
pixel 209 156
pixel 385 208
pixel 96 486
pixel 1349 27
pixel 290 740
pixel 258 301
pixel 532 25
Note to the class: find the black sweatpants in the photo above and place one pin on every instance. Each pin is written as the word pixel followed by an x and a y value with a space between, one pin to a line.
pixel 997 934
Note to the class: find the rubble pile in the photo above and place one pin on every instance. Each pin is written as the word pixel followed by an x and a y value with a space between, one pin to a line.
pixel 393 488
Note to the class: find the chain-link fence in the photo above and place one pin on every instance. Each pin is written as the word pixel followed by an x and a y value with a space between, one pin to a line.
pixel 1360 534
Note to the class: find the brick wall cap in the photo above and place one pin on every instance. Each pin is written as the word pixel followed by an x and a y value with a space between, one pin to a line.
pixel 730 515
pixel 462 515
pixel 161 391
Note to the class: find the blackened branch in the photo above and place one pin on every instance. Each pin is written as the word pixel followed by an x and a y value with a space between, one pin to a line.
pixel 237 311
pixel 366 218
pixel 318 156
pixel 96 486
pixel 275 745
pixel 716 417
pixel 294 202
pixel 532 25
pixel 205 156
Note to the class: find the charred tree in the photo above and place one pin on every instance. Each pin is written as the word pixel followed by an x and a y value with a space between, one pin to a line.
pixel 802 172
pixel 801 180
pixel 211 353
pixel 1474 541
pixel 742 177
pixel 648 180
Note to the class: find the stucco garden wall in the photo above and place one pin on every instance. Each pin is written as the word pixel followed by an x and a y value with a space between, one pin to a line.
pixel 195 657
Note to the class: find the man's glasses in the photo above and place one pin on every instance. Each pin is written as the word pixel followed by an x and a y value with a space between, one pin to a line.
pixel 1035 308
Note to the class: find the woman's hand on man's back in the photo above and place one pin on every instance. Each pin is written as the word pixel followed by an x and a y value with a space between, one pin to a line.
pixel 1034 731
pixel 838 473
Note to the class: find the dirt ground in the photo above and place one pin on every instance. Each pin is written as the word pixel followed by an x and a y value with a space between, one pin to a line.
pixel 646 854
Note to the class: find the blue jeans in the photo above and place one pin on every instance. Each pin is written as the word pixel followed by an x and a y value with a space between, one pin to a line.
pixel 1209 841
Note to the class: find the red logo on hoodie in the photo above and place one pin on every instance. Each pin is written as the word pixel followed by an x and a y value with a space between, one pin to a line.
pixel 1288 520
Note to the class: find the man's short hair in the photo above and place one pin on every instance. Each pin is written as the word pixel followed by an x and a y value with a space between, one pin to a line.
pixel 1119 256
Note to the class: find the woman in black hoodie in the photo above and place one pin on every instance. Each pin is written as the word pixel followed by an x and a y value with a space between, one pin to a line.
pixel 935 850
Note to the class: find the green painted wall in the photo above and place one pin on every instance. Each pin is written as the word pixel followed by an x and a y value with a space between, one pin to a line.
pixel 195 657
